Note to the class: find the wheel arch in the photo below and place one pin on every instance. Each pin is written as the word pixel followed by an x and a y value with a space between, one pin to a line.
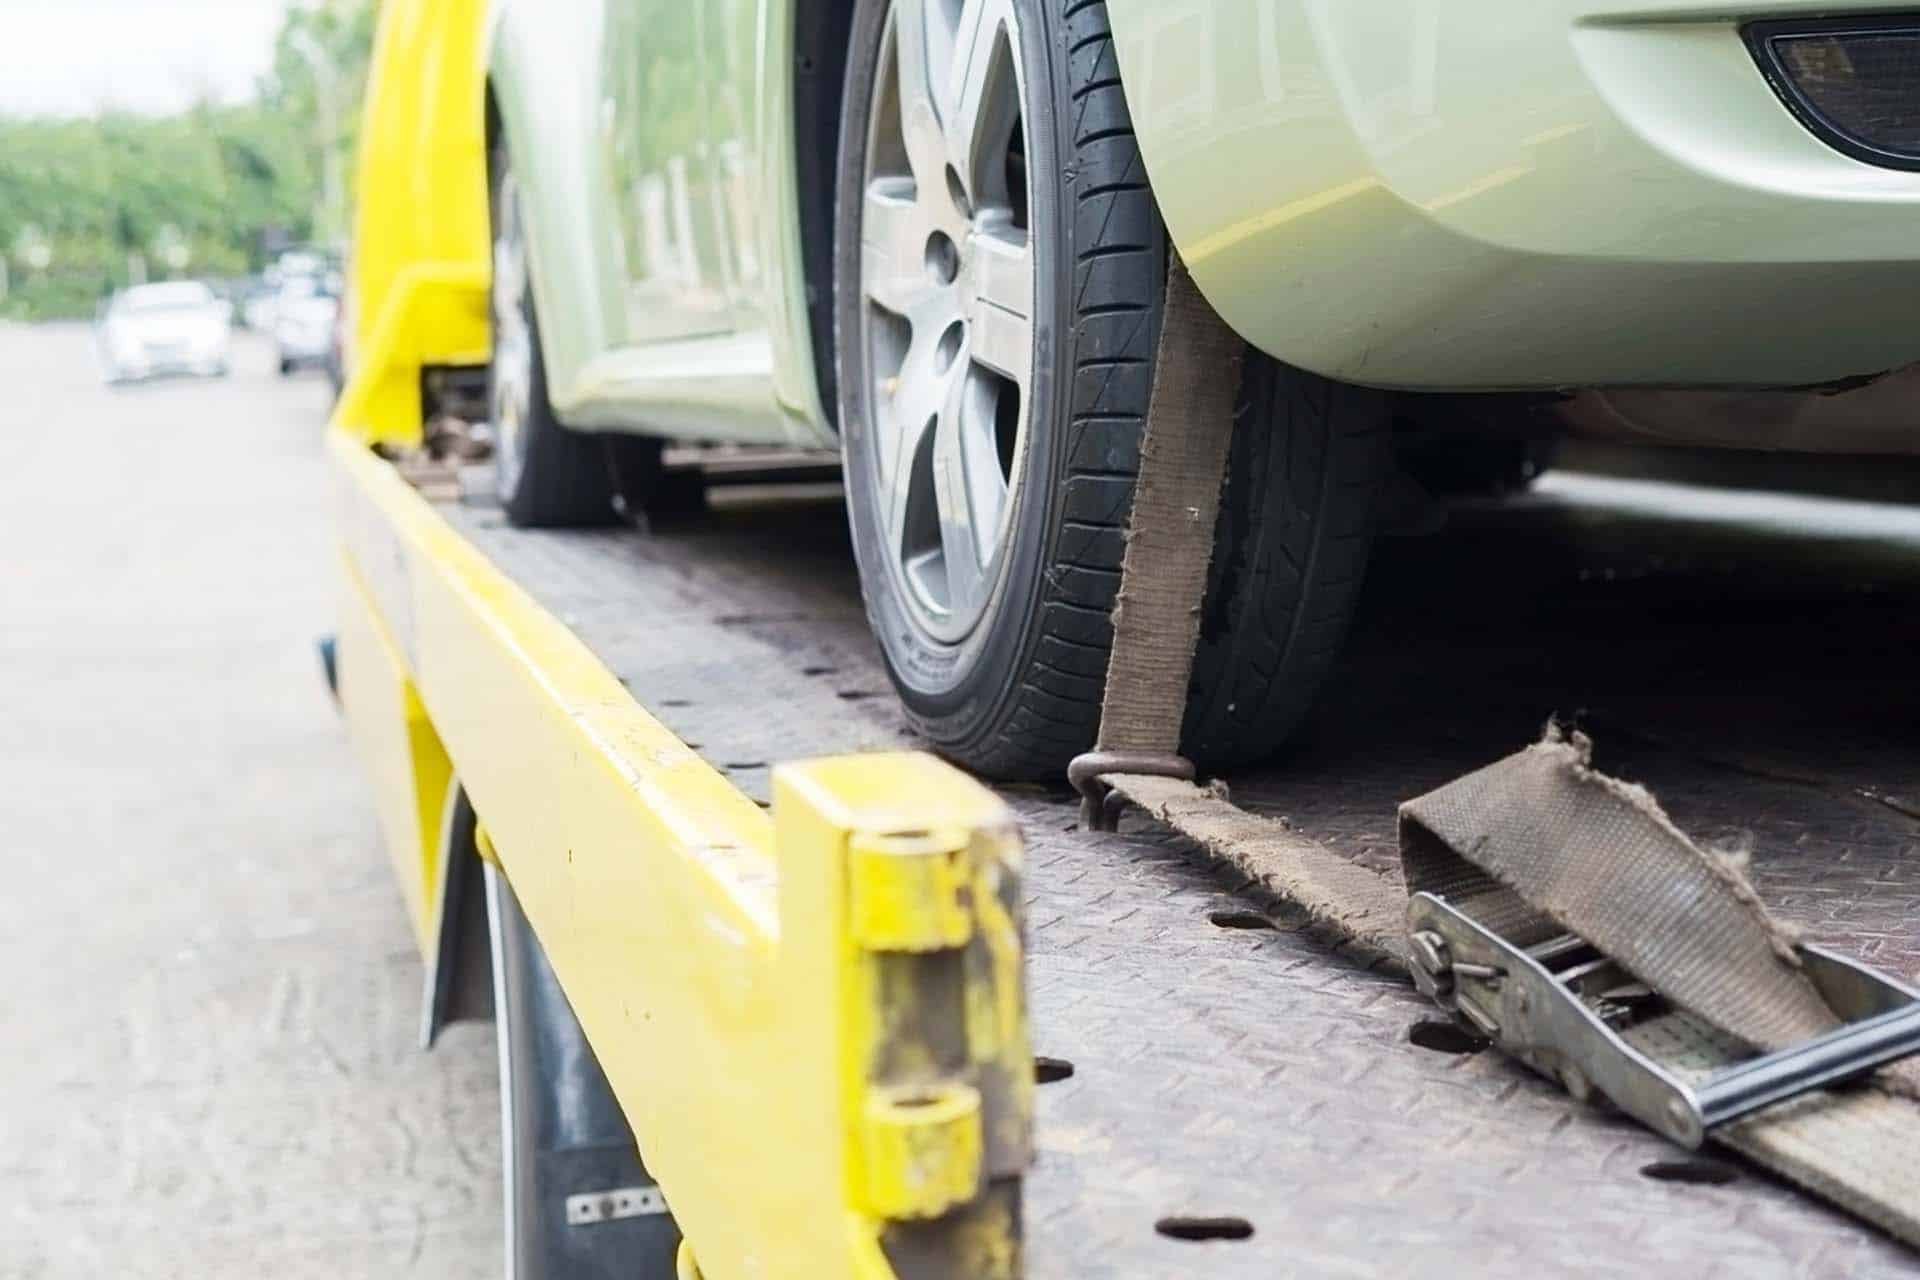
pixel 547 113
pixel 821 29
pixel 459 975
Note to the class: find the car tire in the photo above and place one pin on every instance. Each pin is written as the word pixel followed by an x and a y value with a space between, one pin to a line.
pixel 563 1133
pixel 286 367
pixel 1019 694
pixel 545 474
pixel 1305 470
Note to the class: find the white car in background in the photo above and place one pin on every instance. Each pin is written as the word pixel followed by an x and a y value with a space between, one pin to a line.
pixel 304 315
pixel 180 327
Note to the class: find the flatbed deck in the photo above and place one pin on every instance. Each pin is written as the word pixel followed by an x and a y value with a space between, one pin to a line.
pixel 1754 672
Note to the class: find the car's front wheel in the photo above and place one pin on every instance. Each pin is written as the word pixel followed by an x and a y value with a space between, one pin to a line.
pixel 999 271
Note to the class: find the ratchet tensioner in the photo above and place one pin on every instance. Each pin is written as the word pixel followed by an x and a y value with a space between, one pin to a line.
pixel 1574 1015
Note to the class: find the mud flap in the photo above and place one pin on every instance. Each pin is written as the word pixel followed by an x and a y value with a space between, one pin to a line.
pixel 579 1201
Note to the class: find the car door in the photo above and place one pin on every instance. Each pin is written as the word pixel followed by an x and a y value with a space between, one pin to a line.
pixel 655 123
pixel 759 170
pixel 735 85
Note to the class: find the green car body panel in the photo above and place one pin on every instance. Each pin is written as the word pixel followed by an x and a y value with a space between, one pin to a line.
pixel 1445 195
pixel 658 180
pixel 1488 194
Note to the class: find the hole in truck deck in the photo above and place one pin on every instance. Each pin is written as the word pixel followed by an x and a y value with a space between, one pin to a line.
pixel 1444 1037
pixel 1184 1228
pixel 1695 1173
pixel 1048 1070
pixel 1239 920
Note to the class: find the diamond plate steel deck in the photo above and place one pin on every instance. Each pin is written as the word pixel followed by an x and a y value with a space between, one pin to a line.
pixel 1757 680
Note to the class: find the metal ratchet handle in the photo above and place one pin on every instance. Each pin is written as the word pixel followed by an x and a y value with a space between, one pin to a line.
pixel 1840 1054
pixel 1527 1001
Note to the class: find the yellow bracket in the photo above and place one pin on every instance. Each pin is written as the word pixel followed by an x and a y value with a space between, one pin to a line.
pixel 910 890
pixel 422 259
pixel 815 1022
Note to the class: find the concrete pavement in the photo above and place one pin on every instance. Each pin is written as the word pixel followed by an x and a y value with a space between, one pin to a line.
pixel 208 1063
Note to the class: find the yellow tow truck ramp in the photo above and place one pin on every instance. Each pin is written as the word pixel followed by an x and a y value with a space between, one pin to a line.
pixel 779 996
pixel 1220 1090
pixel 812 1016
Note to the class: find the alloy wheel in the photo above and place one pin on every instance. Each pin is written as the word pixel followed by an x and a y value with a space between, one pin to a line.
pixel 946 279
pixel 510 388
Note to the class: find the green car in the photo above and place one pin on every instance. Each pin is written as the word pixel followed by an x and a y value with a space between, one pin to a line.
pixel 934 235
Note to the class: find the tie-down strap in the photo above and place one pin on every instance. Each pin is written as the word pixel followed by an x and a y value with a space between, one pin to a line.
pixel 1536 855
pixel 1163 576
pixel 1540 845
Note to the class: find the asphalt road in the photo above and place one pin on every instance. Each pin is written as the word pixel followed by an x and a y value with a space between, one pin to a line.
pixel 208 1063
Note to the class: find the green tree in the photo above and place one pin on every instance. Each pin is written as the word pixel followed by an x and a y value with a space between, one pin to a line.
pixel 219 176
pixel 319 78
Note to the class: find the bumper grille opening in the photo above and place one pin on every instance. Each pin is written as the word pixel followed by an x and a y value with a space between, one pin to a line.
pixel 1855 82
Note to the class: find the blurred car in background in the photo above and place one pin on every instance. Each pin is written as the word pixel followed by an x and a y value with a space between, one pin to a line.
pixel 254 306
pixel 179 327
pixel 304 319
pixel 260 308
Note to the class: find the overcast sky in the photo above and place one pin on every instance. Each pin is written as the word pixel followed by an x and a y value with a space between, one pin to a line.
pixel 73 57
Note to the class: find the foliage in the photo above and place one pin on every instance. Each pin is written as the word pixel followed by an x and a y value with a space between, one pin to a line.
pixel 106 195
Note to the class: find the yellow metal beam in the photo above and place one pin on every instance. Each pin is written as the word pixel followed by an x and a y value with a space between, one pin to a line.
pixel 814 1021
pixel 402 752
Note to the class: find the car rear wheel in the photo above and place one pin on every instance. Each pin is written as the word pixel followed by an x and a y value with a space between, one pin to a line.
pixel 999 271
pixel 545 474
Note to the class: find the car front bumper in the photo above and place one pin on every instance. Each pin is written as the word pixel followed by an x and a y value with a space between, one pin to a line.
pixel 1484 194
pixel 306 350
pixel 134 366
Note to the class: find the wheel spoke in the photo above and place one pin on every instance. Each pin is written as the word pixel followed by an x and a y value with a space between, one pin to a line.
pixel 506 299
pixel 953 463
pixel 980 456
pixel 1000 314
pixel 898 489
pixel 982 99
pixel 506 289
pixel 912 399
pixel 892 246
pixel 919 125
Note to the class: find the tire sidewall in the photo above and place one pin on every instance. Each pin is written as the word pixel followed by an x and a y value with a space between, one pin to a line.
pixel 954 691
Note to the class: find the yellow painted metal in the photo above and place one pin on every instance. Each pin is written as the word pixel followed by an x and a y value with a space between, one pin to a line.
pixel 421 259
pixel 909 891
pixel 402 752
pixel 815 1022
pixel 920 1146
